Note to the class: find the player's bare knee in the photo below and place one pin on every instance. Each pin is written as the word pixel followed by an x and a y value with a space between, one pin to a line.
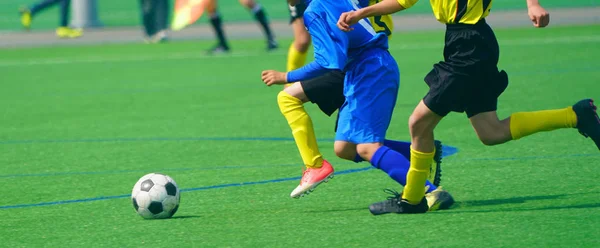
pixel 296 91
pixel 417 126
pixel 366 151
pixel 344 151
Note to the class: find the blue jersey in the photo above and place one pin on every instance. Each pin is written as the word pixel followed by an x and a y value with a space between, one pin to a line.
pixel 334 48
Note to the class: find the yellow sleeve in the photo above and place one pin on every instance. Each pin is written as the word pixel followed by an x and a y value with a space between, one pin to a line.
pixel 407 3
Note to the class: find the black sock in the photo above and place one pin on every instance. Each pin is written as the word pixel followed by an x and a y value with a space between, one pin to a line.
pixel 261 17
pixel 148 17
pixel 217 25
pixel 162 15
pixel 64 13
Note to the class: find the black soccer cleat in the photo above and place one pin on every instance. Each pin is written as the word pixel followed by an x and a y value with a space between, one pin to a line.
pixel 272 45
pixel 435 171
pixel 218 49
pixel 588 122
pixel 395 204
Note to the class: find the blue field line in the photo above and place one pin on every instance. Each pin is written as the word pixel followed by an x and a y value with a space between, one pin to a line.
pixel 447 151
pixel 101 140
pixel 531 157
pixel 100 198
pixel 66 173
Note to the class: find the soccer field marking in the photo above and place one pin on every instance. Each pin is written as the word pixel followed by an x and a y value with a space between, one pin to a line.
pixel 101 140
pixel 218 186
pixel 447 151
pixel 191 55
pixel 70 173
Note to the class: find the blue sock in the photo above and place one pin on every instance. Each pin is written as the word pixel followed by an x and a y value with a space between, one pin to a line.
pixel 395 165
pixel 398 146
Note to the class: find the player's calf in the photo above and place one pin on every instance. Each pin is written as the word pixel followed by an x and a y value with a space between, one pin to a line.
pixel 490 130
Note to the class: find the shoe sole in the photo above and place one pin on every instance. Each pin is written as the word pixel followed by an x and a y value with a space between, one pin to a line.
pixel 436 178
pixel 312 188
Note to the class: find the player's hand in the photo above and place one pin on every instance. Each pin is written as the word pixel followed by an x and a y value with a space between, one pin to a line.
pixel 271 77
pixel 347 19
pixel 538 15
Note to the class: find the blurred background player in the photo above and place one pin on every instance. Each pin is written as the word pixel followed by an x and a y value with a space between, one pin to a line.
pixel 155 18
pixel 217 23
pixel 63 31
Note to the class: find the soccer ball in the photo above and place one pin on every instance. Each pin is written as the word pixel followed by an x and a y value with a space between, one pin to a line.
pixel 155 196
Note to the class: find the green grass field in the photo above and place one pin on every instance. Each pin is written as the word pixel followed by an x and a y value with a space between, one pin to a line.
pixel 80 125
pixel 127 13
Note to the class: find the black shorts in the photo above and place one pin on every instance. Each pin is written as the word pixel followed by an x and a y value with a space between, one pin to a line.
pixel 296 11
pixel 326 91
pixel 468 79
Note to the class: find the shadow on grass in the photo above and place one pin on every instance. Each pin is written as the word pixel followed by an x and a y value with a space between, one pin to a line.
pixel 463 206
pixel 186 217
pixel 337 210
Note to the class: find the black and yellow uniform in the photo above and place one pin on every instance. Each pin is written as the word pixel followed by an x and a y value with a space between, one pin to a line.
pixel 296 11
pixel 327 91
pixel 468 79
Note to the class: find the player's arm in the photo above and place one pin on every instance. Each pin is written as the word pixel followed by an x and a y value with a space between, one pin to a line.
pixel 384 7
pixel 538 15
pixel 329 55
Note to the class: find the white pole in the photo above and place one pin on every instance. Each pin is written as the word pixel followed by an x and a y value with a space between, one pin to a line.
pixel 84 14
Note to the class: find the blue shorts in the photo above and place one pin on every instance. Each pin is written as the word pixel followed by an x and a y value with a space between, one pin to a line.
pixel 371 88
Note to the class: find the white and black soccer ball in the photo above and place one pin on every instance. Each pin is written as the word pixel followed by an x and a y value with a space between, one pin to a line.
pixel 155 196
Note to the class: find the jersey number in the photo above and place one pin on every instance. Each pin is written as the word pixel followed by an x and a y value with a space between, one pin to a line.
pixel 382 24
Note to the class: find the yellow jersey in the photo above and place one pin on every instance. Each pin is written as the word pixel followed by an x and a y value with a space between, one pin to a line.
pixel 382 23
pixel 456 11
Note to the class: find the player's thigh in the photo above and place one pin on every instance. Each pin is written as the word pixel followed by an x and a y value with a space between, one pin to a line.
pixel 422 120
pixel 296 91
pixel 327 91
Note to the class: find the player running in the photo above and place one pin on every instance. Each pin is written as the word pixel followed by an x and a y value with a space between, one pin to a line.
pixel 217 25
pixel 468 80
pixel 327 92
pixel 63 31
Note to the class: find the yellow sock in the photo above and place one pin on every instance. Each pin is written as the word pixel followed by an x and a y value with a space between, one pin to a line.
pixel 302 129
pixel 295 58
pixel 420 162
pixel 527 123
